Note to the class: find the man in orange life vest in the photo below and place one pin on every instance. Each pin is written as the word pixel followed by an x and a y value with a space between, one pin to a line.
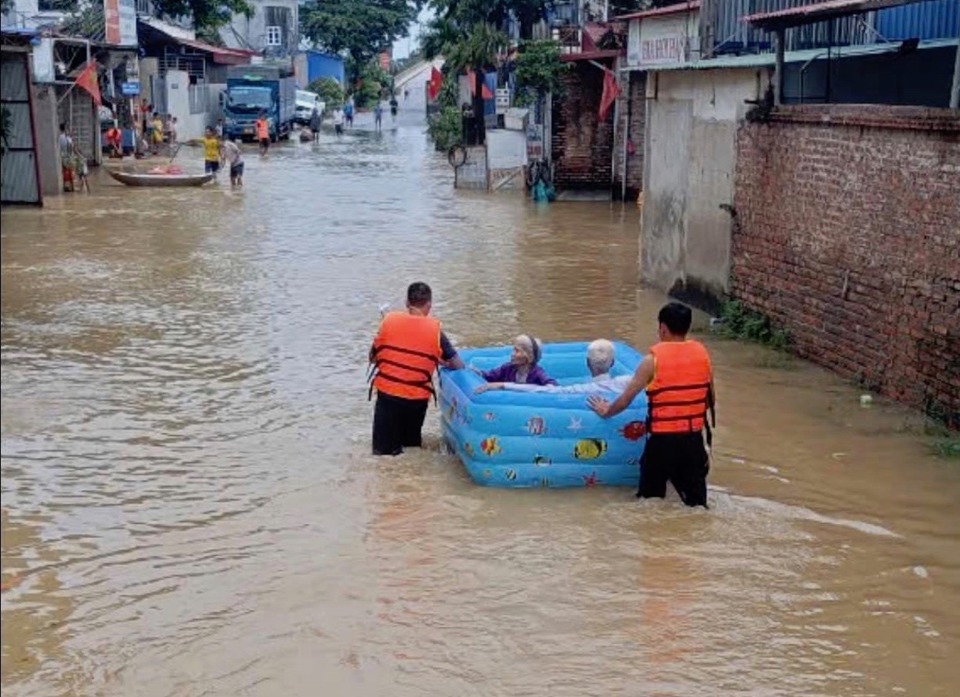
pixel 405 353
pixel 678 377
pixel 263 133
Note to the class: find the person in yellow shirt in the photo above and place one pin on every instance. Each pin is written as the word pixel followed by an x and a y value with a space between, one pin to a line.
pixel 157 125
pixel 212 151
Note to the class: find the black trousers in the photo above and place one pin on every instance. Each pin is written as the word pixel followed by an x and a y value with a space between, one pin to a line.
pixel 680 459
pixel 397 423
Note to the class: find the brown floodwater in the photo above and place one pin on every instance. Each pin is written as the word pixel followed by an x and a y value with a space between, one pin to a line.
pixel 189 506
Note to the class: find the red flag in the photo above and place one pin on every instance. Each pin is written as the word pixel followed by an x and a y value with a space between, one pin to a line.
pixel 436 82
pixel 87 80
pixel 611 90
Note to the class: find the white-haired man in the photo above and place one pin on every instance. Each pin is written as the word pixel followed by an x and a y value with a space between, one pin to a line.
pixel 600 358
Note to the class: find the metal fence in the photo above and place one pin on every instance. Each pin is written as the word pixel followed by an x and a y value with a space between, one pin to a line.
pixel 18 178
pixel 723 31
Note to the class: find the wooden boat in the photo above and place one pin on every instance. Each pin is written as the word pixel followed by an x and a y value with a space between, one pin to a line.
pixel 140 179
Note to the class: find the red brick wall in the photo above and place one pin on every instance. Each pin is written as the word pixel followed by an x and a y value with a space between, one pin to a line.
pixel 632 103
pixel 582 148
pixel 848 235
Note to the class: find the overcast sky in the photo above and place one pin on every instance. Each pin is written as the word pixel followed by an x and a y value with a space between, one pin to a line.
pixel 403 47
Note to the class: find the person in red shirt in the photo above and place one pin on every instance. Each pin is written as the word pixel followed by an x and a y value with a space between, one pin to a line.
pixel 115 141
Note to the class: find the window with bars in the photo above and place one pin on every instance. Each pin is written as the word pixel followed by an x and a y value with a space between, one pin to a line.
pixel 274 36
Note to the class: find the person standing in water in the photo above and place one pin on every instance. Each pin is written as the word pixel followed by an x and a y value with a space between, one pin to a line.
pixel 678 377
pixel 378 117
pixel 315 123
pixel 211 152
pixel 263 133
pixel 231 154
pixel 405 353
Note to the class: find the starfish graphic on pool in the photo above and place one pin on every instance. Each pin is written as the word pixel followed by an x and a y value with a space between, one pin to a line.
pixel 590 481
pixel 576 423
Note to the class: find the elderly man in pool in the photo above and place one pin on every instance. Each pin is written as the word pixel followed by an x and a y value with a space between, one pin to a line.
pixel 600 358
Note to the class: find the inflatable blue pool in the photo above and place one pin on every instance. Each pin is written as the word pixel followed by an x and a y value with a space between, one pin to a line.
pixel 539 439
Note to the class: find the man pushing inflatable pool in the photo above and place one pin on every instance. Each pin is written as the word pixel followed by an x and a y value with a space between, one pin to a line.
pixel 405 354
pixel 678 378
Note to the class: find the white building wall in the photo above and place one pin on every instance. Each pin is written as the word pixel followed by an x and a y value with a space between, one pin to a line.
pixel 689 163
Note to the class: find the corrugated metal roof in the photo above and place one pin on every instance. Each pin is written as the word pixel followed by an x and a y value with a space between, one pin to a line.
pixel 661 11
pixel 819 11
pixel 765 59
pixel 937 19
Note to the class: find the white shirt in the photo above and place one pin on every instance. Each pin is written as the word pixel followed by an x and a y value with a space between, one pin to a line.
pixel 338 118
pixel 599 383
pixel 232 152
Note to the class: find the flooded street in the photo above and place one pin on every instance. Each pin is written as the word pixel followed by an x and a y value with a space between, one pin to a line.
pixel 189 506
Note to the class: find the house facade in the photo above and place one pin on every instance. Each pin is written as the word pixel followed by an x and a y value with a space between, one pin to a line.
pixel 272 30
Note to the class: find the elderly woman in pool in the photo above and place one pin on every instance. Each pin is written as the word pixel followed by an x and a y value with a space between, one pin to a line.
pixel 523 366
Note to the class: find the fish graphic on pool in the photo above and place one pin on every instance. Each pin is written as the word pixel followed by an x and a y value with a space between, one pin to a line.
pixel 490 446
pixel 536 426
pixel 589 449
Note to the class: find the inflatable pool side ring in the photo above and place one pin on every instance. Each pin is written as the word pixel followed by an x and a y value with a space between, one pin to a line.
pixel 542 439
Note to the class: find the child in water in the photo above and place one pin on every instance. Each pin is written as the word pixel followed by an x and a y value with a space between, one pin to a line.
pixel 522 367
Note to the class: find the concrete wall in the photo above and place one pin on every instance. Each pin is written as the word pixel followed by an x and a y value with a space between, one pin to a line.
pixel 178 104
pixel 473 174
pixel 849 237
pixel 689 160
pixel 48 133
pixel 506 158
pixel 506 149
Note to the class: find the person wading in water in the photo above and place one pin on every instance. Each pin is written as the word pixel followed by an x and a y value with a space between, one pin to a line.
pixel 678 378
pixel 405 353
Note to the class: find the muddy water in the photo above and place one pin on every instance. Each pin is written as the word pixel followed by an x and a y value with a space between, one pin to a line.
pixel 189 507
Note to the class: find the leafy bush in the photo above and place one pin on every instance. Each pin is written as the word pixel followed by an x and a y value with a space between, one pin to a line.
pixel 446 128
pixel 329 90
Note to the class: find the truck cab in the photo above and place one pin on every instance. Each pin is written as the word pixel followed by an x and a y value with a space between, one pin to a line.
pixel 252 90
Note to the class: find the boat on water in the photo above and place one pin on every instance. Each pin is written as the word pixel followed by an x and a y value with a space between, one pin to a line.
pixel 160 179
pixel 541 439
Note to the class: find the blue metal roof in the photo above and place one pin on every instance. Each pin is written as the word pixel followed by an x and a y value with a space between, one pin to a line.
pixel 933 19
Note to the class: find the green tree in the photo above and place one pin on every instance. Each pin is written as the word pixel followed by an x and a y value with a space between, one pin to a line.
pixel 207 14
pixel 370 85
pixel 329 90
pixel 539 69
pixel 478 49
pixel 359 28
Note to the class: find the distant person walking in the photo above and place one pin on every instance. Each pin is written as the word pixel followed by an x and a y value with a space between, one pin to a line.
pixel 338 121
pixel 378 117
pixel 315 124
pixel 348 112
pixel 393 107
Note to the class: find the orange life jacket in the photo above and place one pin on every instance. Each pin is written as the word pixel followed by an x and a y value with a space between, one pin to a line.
pixel 679 395
pixel 263 129
pixel 406 352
